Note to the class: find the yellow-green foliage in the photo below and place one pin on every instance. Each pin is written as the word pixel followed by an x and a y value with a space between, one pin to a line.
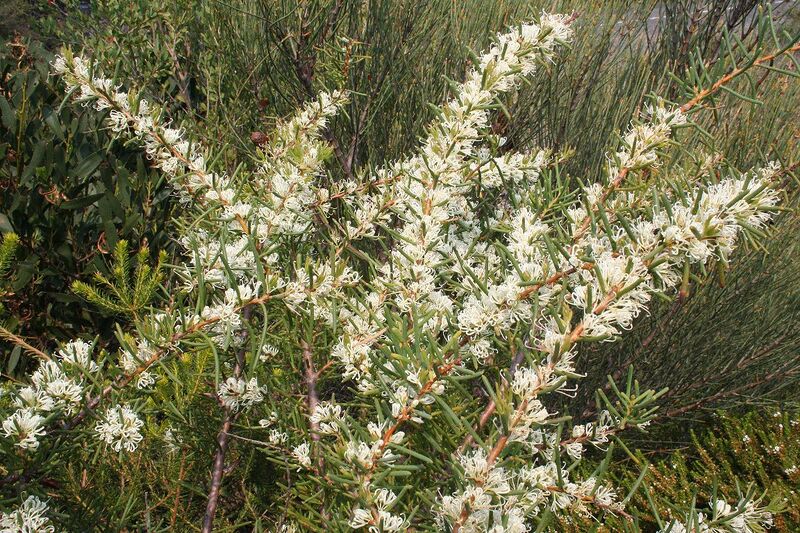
pixel 128 290
pixel 761 447
pixel 8 248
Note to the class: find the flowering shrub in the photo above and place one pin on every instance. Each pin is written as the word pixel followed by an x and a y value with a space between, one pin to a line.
pixel 465 266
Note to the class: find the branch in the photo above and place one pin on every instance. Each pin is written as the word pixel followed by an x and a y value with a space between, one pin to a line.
pixel 735 73
pixel 490 409
pixel 183 75
pixel 724 394
pixel 312 397
pixel 19 341
pixel 222 449
pixel 219 464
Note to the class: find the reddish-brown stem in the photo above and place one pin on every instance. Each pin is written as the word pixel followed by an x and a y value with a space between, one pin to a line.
pixel 230 415
pixel 174 515
pixel 217 471
pixel 312 397
pixel 585 223
pixel 705 93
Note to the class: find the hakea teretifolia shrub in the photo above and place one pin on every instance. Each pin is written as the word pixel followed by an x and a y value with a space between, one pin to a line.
pixel 464 262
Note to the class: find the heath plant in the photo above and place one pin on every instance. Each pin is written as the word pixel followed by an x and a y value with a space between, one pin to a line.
pixel 392 343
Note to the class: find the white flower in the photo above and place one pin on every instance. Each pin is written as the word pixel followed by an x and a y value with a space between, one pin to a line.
pixel 237 393
pixel 267 422
pixel 173 440
pixel 63 392
pixel 78 353
pixel 361 518
pixel 29 517
pixel 26 427
pixel 120 428
pixel 527 382
pixel 360 453
pixel 328 416
pixel 35 399
pixel 225 318
pixel 390 522
pixel 133 363
pixel 268 352
pixel 277 437
pixel 302 453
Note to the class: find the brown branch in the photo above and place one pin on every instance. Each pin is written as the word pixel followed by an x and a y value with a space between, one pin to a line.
pixel 731 392
pixel 592 500
pixel 19 341
pixel 182 74
pixel 312 397
pixel 490 409
pixel 174 515
pixel 230 415
pixel 735 73
pixel 219 464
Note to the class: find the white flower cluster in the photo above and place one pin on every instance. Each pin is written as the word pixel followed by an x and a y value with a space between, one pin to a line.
pixel 432 190
pixel 182 160
pixel 240 394
pixel 130 363
pixel 498 499
pixel 328 417
pixel 78 353
pixel 291 163
pixel 745 517
pixel 29 517
pixel 25 426
pixel 302 454
pixel 609 292
pixel 56 387
pixel 229 264
pixel 383 500
pixel 120 428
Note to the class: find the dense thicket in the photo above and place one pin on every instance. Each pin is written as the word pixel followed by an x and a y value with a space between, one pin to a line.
pixel 345 333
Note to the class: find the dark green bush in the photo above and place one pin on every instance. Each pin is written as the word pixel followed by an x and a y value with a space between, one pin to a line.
pixel 70 192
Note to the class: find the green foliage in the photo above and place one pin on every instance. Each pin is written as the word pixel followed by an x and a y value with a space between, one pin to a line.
pixel 732 340
pixel 761 446
pixel 127 291
pixel 15 18
pixel 8 247
pixel 70 193
pixel 730 337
